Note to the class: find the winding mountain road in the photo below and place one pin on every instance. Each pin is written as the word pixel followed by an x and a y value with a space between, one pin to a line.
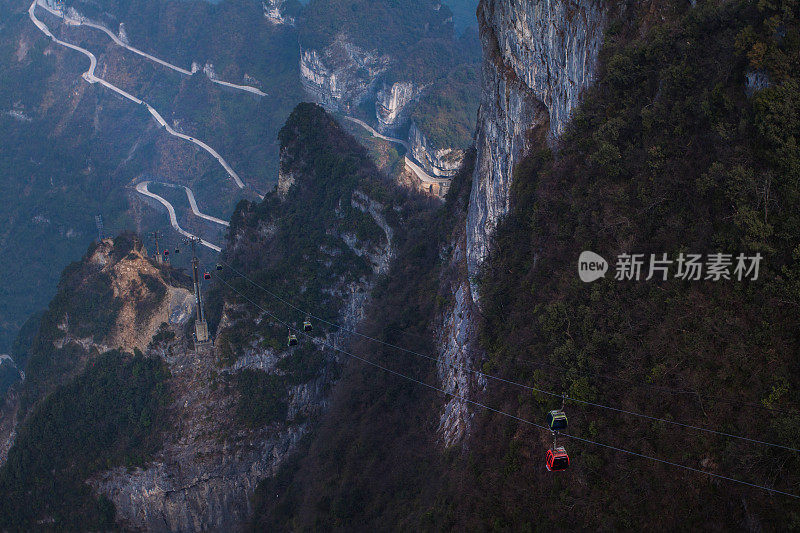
pixel 232 173
pixel 83 22
pixel 90 77
pixel 413 165
pixel 142 188
pixel 192 202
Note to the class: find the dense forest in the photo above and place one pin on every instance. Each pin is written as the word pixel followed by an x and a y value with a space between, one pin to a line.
pixel 314 244
pixel 81 411
pixel 673 151
pixel 111 414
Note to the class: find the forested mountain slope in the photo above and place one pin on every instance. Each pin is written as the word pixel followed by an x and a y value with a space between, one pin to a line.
pixel 675 149
pixel 659 128
pixel 186 425
pixel 71 149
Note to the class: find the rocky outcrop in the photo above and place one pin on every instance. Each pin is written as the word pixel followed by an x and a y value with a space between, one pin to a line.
pixel 392 103
pixel 203 477
pixel 206 473
pixel 440 162
pixel 143 300
pixel 457 354
pixel 379 255
pixel 538 58
pixel 9 374
pixel 340 76
pixel 273 12
pixel 285 182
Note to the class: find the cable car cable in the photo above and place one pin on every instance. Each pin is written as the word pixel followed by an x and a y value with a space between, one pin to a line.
pixel 528 387
pixel 515 417
pixel 586 374
pixel 670 390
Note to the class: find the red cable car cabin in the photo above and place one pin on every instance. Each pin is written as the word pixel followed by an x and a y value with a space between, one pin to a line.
pixel 207 275
pixel 557 459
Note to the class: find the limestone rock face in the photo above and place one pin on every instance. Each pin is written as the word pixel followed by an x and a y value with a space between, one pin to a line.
pixel 392 102
pixel 273 12
pixel 458 353
pixel 340 76
pixel 538 58
pixel 206 472
pixel 440 162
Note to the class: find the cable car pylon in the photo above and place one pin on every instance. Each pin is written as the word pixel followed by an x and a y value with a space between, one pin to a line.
pixel 201 337
pixel 157 235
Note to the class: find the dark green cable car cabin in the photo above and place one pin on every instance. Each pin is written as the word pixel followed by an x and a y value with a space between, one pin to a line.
pixel 557 420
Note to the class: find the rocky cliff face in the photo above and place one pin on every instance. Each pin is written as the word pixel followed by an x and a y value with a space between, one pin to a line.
pixel 538 57
pixel 273 11
pixel 341 75
pixel 391 104
pixel 440 162
pixel 9 374
pixel 457 353
pixel 209 467
pixel 210 464
pixel 114 299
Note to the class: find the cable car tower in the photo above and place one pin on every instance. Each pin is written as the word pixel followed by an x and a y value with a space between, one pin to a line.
pixel 157 235
pixel 201 336
pixel 98 221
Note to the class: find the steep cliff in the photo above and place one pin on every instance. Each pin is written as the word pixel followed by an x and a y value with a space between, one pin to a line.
pixel 341 75
pixel 276 12
pixel 393 56
pixel 392 102
pixel 240 409
pixel 667 152
pixel 9 373
pixel 441 162
pixel 538 58
pixel 65 417
pixel 235 412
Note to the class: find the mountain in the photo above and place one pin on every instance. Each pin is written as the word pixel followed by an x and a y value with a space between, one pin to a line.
pixel 235 412
pixel 443 332
pixel 675 136
pixel 75 150
pixel 399 66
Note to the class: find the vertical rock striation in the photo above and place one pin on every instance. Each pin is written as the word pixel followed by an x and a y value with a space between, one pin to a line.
pixel 440 162
pixel 391 104
pixel 538 58
pixel 340 76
